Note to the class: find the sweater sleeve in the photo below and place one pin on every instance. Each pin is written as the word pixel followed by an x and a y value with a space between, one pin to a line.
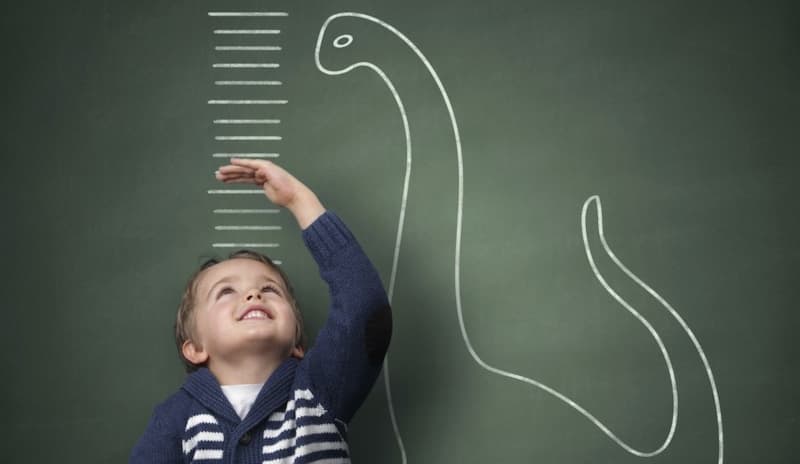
pixel 350 347
pixel 159 444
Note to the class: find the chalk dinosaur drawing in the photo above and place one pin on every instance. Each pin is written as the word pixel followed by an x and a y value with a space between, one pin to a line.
pixel 346 40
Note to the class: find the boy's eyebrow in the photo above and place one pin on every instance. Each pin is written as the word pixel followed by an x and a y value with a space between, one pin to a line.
pixel 232 278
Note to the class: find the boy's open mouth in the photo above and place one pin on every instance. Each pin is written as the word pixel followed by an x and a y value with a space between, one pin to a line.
pixel 256 312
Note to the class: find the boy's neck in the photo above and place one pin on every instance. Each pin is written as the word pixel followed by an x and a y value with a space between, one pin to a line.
pixel 249 370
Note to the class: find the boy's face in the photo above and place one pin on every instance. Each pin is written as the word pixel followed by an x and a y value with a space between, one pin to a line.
pixel 242 308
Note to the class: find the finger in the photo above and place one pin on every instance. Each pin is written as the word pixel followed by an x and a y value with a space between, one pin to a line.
pixel 242 181
pixel 251 180
pixel 234 169
pixel 236 175
pixel 251 163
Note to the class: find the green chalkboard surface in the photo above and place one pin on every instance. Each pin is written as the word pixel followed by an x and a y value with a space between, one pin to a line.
pixel 585 213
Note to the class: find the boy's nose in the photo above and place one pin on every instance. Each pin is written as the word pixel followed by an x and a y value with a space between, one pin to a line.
pixel 253 293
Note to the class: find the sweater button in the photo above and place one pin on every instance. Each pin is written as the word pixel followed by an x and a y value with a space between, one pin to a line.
pixel 246 438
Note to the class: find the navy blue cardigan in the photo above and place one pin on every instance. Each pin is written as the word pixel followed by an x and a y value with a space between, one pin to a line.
pixel 301 412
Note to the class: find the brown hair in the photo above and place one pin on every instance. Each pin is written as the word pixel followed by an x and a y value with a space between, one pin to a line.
pixel 184 322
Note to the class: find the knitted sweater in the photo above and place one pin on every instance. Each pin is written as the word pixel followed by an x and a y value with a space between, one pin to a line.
pixel 301 412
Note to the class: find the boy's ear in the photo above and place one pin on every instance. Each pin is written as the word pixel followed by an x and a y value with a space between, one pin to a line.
pixel 195 354
pixel 297 352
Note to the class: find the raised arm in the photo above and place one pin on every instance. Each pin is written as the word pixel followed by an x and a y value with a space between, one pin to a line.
pixel 350 347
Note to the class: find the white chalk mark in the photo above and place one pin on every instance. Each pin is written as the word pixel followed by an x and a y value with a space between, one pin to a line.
pixel 246 65
pixel 403 200
pixel 248 102
pixel 248 228
pixel 247 31
pixel 457 263
pixel 248 13
pixel 248 83
pixel 664 303
pixel 245 155
pixel 247 121
pixel 246 211
pixel 245 245
pixel 234 192
pixel 250 48
pixel 247 137
pixel 343 41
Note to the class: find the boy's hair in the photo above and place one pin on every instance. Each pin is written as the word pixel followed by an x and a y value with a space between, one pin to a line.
pixel 184 323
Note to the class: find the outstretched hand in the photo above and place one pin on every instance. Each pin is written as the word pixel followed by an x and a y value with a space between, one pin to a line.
pixel 279 186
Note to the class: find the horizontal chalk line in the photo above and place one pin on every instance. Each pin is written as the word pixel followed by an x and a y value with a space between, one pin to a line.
pixel 246 65
pixel 246 211
pixel 247 227
pixel 247 121
pixel 245 245
pixel 248 83
pixel 247 137
pixel 235 192
pixel 248 102
pixel 249 13
pixel 253 48
pixel 247 31
pixel 246 155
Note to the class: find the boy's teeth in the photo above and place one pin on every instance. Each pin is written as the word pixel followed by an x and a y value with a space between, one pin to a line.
pixel 256 314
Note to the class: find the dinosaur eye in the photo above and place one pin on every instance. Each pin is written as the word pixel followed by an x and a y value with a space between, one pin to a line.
pixel 343 41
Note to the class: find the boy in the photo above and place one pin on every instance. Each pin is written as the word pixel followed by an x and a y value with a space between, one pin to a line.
pixel 254 395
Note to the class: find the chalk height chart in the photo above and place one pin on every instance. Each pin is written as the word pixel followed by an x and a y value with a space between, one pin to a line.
pixel 246 98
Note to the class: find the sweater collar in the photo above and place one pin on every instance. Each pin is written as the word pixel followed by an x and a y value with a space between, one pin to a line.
pixel 204 387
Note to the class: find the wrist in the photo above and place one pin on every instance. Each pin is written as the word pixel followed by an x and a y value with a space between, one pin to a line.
pixel 305 207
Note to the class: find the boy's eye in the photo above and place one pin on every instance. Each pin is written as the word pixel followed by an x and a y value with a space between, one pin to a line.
pixel 224 290
pixel 270 288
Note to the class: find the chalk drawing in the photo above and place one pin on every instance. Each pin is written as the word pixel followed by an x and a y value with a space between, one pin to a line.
pixel 246 155
pixel 246 211
pixel 248 102
pixel 266 48
pixel 244 63
pixel 247 137
pixel 248 13
pixel 245 245
pixel 247 31
pixel 248 227
pixel 247 121
pixel 248 83
pixel 235 191
pixel 345 40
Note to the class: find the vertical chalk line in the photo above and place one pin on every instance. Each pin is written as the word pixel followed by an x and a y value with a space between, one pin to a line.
pixel 457 263
pixel 401 219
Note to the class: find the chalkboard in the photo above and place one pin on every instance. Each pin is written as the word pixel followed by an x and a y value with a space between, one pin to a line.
pixel 596 259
